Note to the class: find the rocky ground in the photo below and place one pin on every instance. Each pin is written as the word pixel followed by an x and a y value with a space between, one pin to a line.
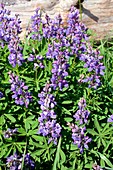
pixel 13 2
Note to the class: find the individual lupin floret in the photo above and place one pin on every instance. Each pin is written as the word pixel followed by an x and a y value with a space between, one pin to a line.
pixel 10 132
pixel 47 120
pixel 1 95
pixel 38 60
pixel 82 114
pixel 96 167
pixel 20 90
pixel 110 119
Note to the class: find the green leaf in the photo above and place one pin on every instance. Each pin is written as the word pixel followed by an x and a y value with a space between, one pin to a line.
pixel 10 117
pixel 22 131
pixel 56 161
pixel 105 159
pixel 68 119
pixel 38 138
pixel 32 132
pixel 97 125
pixel 67 102
pixel 92 132
pixel 63 157
pixel 38 152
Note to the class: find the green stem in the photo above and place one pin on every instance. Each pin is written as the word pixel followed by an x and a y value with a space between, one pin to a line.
pixel 36 79
pixel 24 155
pixel 17 71
pixel 80 7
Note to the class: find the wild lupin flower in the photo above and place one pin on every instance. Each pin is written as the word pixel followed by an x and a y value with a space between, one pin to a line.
pixel 10 132
pixel 48 125
pixel 110 119
pixel 82 114
pixel 14 162
pixel 36 23
pixel 38 60
pixel 79 137
pixel 94 66
pixel 9 34
pixel 96 167
pixel 1 95
pixel 20 90
pixel 59 72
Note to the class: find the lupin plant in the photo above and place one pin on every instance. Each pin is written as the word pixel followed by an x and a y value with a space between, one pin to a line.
pixel 55 106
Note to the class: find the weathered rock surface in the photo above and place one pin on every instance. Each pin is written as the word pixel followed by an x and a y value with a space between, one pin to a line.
pixel 96 14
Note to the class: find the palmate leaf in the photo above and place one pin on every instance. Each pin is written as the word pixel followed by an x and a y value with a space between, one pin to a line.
pixel 57 156
pixel 103 157
pixel 38 152
pixel 92 132
pixel 10 117
pixel 98 127
pixel 67 102
pixel 63 157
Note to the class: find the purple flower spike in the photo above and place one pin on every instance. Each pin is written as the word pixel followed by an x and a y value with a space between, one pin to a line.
pixel 82 114
pixel 9 34
pixel 19 89
pixel 14 162
pixel 79 138
pixel 48 125
pixel 94 66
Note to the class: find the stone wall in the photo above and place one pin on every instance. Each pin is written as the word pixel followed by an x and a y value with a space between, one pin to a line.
pixel 96 14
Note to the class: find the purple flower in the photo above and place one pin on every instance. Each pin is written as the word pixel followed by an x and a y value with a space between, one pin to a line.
pixel 37 60
pixel 28 162
pixel 110 119
pixel 9 34
pixel 20 91
pixel 79 138
pixel 35 29
pixel 82 114
pixel 47 120
pixel 14 162
pixel 94 66
pixel 59 72
pixel 10 132
pixel 1 95
pixel 96 167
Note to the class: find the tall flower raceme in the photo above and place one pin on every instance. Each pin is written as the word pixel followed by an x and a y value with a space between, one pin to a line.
pixel 78 132
pixel 14 162
pixel 95 67
pixel 76 33
pixel 36 23
pixel 9 34
pixel 79 137
pixel 20 90
pixel 48 125
pixel 82 114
